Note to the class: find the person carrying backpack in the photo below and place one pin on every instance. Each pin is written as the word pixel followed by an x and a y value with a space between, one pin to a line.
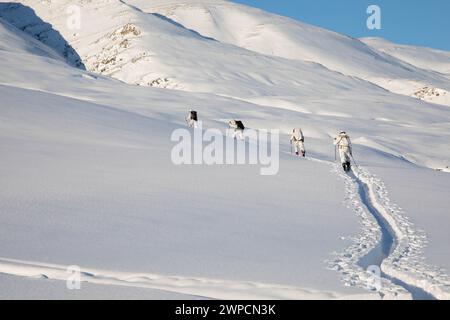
pixel 238 129
pixel 192 119
pixel 344 145
pixel 298 141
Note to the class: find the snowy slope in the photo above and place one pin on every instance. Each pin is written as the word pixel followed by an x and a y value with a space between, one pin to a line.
pixel 86 168
pixel 425 58
pixel 28 21
pixel 148 50
pixel 124 210
pixel 154 50
pixel 274 35
pixel 317 96
pixel 28 288
pixel 23 43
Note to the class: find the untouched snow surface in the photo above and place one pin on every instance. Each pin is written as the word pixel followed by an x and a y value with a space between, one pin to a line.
pixel 87 179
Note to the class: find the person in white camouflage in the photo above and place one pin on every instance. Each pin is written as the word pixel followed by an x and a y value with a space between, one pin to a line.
pixel 298 142
pixel 344 145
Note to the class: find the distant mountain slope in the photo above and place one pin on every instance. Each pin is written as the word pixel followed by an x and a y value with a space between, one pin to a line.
pixel 425 58
pixel 149 50
pixel 270 34
pixel 25 18
pixel 14 40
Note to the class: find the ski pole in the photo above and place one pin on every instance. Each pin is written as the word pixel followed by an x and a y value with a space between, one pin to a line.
pixel 354 161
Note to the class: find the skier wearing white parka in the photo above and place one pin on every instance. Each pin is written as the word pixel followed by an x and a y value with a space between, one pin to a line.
pixel 298 141
pixel 344 145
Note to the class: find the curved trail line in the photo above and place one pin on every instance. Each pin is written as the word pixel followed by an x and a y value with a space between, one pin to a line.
pixel 406 262
pixel 201 287
pixel 347 263
pixel 388 240
pixel 387 244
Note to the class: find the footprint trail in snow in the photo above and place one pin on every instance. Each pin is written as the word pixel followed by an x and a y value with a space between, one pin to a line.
pixel 388 240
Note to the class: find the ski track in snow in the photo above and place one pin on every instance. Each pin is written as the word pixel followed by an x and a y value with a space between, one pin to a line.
pixel 406 262
pixel 404 271
pixel 405 275
pixel 347 262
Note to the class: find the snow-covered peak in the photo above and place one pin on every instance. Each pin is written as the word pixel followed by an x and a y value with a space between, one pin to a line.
pixel 145 49
pixel 217 46
pixel 275 35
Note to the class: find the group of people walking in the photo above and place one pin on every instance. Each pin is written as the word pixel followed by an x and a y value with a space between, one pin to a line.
pixel 237 125
pixel 342 141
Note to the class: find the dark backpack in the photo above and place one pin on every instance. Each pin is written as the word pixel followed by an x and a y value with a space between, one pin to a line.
pixel 194 115
pixel 240 125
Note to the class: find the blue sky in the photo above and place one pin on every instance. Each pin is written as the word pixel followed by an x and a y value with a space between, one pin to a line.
pixel 415 22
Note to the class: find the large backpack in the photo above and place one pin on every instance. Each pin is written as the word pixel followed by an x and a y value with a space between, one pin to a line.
pixel 344 140
pixel 298 134
pixel 193 115
pixel 240 125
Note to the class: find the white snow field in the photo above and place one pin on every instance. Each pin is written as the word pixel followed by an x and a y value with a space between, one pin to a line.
pixel 86 118
pixel 425 58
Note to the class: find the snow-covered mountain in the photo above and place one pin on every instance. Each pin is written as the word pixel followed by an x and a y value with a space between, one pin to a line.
pixel 425 58
pixel 87 178
pixel 273 35
pixel 11 40
pixel 149 50
pixel 130 46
